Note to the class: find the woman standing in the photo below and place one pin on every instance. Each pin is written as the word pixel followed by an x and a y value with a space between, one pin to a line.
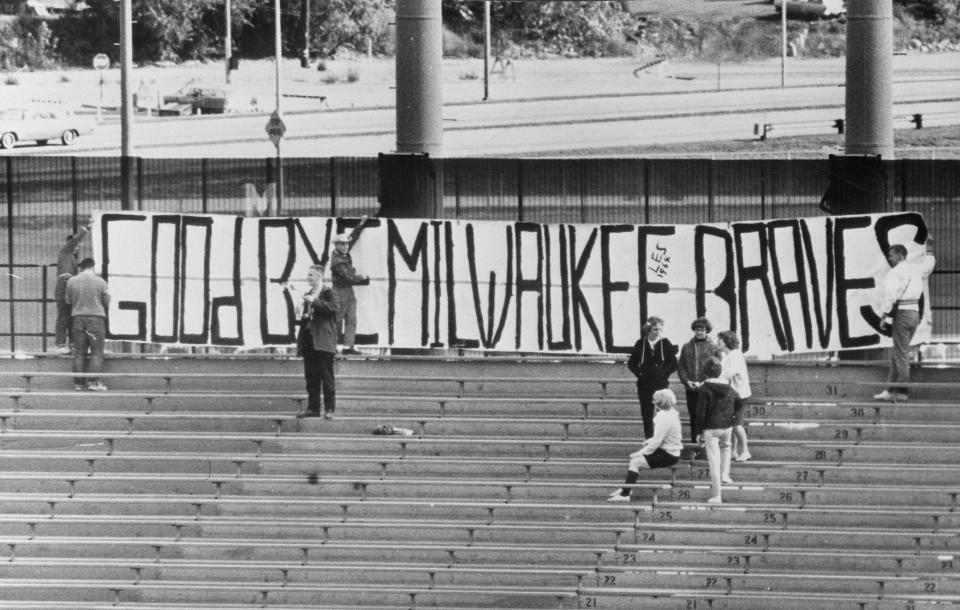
pixel 693 356
pixel 735 372
pixel 661 450
pixel 653 360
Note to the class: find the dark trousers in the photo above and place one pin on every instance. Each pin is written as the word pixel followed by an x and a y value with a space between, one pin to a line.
pixel 905 323
pixel 89 333
pixel 647 410
pixel 63 311
pixel 347 316
pixel 692 396
pixel 318 372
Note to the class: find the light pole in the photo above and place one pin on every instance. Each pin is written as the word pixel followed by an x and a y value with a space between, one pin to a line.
pixel 126 103
pixel 228 38
pixel 783 42
pixel 278 51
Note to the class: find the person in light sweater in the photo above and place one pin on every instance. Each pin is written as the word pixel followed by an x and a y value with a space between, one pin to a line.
pixel 735 372
pixel 661 450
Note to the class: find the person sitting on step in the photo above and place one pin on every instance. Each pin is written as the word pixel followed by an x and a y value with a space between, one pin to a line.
pixel 661 450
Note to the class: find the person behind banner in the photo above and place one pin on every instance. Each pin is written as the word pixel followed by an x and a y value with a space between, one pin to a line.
pixel 690 366
pixel 317 343
pixel 652 361
pixel 345 277
pixel 902 288
pixel 716 414
pixel 734 371
pixel 89 298
pixel 659 450
pixel 925 263
pixel 66 269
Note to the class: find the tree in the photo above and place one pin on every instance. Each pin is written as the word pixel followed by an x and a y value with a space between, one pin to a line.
pixel 934 11
pixel 169 30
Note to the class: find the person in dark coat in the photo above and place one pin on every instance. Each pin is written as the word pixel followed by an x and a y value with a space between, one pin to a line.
pixel 317 343
pixel 690 366
pixel 652 361
pixel 716 412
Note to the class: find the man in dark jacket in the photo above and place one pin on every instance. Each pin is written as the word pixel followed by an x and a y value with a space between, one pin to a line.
pixel 653 360
pixel 716 406
pixel 317 343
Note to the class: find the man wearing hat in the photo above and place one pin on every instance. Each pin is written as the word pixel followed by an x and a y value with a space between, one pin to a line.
pixel 345 277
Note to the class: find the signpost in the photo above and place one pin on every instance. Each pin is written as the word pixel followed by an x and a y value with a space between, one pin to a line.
pixel 275 128
pixel 100 63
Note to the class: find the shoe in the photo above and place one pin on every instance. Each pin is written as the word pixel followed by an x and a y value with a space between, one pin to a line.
pixel 349 351
pixel 79 387
pixel 743 457
pixel 97 387
pixel 901 397
pixel 884 395
pixel 64 349
pixel 328 415
pixel 714 500
pixel 308 414
pixel 618 497
pixel 727 480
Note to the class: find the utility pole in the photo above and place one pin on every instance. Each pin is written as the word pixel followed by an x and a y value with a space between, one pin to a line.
pixel 278 52
pixel 228 38
pixel 305 31
pixel 486 50
pixel 783 43
pixel 126 104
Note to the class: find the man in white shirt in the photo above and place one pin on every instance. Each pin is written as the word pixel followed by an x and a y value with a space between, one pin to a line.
pixel 902 288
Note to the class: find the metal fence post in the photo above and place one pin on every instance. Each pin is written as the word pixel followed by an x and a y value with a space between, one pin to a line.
pixel 646 191
pixel 74 196
pixel 44 295
pixel 456 189
pixel 204 185
pixel 139 183
pixel 711 202
pixel 333 186
pixel 520 190
pixel 763 191
pixel 902 164
pixel 10 276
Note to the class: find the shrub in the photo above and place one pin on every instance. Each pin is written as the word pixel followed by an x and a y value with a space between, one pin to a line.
pixel 26 43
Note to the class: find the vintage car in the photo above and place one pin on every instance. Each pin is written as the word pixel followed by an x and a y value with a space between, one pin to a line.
pixel 42 124
pixel 193 99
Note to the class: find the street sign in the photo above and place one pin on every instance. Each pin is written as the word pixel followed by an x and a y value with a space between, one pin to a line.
pixel 275 128
pixel 101 61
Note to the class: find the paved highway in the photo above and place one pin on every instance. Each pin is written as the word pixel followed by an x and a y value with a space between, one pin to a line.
pixel 517 127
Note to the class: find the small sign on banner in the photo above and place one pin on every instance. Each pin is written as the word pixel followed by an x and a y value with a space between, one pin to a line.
pixel 275 128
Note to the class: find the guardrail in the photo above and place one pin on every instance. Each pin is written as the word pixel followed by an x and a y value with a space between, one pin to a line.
pixel 919 120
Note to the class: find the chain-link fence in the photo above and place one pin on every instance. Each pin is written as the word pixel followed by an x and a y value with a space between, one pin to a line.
pixel 48 198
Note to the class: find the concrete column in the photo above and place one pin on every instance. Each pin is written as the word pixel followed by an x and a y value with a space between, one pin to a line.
pixel 419 58
pixel 869 96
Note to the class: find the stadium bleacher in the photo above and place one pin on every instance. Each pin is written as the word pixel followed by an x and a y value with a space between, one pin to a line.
pixel 192 484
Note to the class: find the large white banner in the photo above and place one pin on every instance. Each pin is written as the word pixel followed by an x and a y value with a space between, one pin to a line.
pixel 786 285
